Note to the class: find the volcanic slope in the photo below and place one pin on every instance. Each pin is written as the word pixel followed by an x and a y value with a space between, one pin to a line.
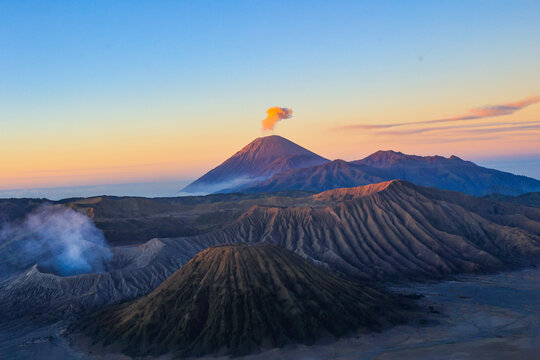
pixel 450 173
pixel 133 271
pixel 237 299
pixel 260 159
pixel 397 230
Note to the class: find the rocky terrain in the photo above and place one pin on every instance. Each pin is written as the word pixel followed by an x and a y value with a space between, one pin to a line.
pixel 235 299
pixel 397 230
pixel 388 231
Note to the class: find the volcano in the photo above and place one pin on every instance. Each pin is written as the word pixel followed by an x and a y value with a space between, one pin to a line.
pixel 239 298
pixel 260 159
pixel 273 163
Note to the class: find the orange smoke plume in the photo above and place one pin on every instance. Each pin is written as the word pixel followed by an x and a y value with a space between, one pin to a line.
pixel 275 114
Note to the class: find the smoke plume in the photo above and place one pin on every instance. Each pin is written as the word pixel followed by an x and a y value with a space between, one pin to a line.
pixel 58 239
pixel 275 114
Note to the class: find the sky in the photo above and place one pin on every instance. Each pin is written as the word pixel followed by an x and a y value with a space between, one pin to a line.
pixel 101 92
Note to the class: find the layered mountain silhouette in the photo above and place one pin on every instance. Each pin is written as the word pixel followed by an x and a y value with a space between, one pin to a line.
pixel 271 164
pixel 236 299
pixel 450 173
pixel 260 159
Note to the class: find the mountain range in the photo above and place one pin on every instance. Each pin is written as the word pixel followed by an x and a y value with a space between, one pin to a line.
pixel 273 163
pixel 379 232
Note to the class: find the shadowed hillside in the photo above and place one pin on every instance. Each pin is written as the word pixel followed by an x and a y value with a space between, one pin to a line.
pixel 529 199
pixel 238 298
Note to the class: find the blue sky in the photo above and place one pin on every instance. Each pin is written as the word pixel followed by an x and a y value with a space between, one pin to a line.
pixel 89 86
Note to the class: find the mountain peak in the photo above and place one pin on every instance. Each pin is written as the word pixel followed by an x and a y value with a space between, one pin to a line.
pixel 360 191
pixel 196 308
pixel 272 146
pixel 258 160
pixel 389 158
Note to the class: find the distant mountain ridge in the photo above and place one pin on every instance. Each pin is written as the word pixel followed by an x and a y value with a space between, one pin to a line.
pixel 272 163
pixel 440 172
pixel 390 158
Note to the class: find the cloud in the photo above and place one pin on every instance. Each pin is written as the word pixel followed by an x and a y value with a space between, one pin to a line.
pixel 228 185
pixel 275 114
pixel 473 114
pixel 484 127
pixel 507 129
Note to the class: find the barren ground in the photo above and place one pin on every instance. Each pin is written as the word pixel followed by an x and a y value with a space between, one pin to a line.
pixel 473 317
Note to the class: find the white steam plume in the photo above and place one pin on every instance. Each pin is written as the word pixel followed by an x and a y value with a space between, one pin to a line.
pixel 56 238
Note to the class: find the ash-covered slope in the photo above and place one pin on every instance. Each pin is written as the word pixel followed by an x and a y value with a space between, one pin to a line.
pixel 236 299
pixel 260 159
pixel 397 230
pixel 132 272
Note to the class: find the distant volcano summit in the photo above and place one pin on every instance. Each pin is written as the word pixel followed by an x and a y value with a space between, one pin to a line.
pixel 273 163
pixel 260 159
pixel 235 299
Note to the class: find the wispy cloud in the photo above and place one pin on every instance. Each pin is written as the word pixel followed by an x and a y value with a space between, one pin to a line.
pixel 507 129
pixel 489 127
pixel 473 114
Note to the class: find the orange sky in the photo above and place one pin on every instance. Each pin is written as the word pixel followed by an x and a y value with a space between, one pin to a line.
pixel 172 152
